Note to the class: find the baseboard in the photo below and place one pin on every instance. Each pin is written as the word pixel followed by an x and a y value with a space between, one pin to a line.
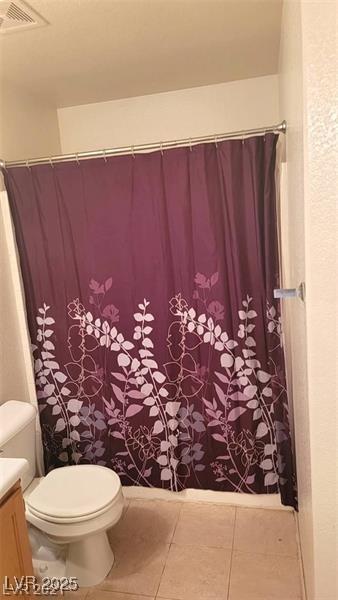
pixel 192 495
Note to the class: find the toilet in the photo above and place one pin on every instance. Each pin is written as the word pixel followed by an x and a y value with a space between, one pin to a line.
pixel 72 506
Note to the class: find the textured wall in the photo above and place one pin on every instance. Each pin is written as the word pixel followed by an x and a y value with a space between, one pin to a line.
pixel 291 107
pixel 307 100
pixel 319 21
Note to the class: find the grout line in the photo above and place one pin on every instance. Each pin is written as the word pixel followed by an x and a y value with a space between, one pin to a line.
pixel 177 520
pixel 145 596
pixel 294 556
pixel 251 552
pixel 108 592
pixel 127 506
pixel 132 594
pixel 164 565
pixel 231 555
pixel 300 559
pixel 170 544
pixel 187 545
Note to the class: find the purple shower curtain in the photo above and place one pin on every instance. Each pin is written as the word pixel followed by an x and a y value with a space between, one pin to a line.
pixel 157 342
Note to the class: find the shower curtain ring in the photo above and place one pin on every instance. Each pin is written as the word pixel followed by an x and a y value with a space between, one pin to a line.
pixel 77 159
pixel 190 144
pixel 51 163
pixel 132 152
pixel 104 156
pixel 27 165
pixel 161 148
pixel 215 140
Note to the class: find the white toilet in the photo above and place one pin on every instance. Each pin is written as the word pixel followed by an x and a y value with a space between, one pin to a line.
pixel 73 505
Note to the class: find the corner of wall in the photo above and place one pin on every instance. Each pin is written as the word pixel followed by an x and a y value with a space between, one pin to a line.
pixel 293 232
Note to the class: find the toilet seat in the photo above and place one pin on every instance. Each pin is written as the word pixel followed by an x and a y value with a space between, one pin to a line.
pixel 74 494
pixel 65 520
pixel 75 507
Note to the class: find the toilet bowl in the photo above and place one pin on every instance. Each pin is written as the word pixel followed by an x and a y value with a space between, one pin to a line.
pixel 76 505
pixel 73 506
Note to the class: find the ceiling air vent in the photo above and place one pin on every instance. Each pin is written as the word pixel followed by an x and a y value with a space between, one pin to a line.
pixel 18 16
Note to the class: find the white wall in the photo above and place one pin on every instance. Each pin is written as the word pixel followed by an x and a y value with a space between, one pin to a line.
pixel 28 128
pixel 321 234
pixel 28 125
pixel 308 63
pixel 16 374
pixel 171 115
pixel 291 107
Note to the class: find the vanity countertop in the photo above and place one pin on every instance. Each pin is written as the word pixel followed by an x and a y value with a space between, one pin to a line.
pixel 11 470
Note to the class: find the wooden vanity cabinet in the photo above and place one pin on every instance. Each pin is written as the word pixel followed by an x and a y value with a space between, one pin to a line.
pixel 15 550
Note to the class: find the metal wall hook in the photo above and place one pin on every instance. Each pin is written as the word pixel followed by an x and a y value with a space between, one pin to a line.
pixel 284 293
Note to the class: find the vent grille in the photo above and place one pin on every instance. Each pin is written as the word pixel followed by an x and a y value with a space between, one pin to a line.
pixel 18 16
pixel 15 12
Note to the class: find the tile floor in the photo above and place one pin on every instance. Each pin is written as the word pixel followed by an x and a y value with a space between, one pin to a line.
pixel 187 551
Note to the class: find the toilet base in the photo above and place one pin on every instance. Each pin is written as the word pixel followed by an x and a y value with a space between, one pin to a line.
pixel 90 559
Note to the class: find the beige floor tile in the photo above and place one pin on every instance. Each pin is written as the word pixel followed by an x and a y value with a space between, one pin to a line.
pixel 138 566
pixel 148 519
pixel 195 573
pixel 265 531
pixel 205 525
pixel 96 594
pixel 117 530
pixel 263 577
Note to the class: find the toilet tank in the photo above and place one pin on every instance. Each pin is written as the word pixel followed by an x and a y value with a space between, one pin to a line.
pixel 17 435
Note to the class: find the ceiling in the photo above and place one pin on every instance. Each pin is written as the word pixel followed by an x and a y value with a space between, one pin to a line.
pixel 97 50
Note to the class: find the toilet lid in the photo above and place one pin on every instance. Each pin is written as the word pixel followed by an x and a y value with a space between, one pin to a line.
pixel 76 491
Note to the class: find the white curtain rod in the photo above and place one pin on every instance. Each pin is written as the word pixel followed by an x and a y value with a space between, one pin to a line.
pixel 281 128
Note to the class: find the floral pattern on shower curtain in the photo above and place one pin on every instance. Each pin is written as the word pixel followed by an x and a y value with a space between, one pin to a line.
pixel 157 342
